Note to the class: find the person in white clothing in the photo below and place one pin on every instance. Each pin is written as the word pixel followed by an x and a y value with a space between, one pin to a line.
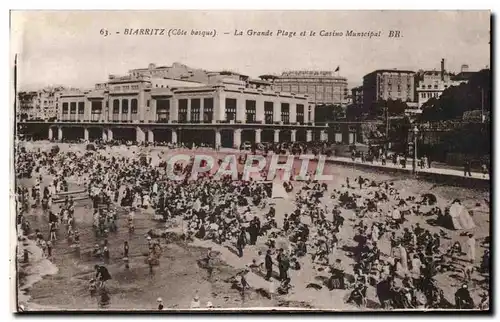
pixel 403 256
pixel 416 266
pixel 195 303
pixel 375 233
pixel 471 248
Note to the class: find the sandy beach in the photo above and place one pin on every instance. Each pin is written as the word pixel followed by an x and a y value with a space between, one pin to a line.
pixel 62 282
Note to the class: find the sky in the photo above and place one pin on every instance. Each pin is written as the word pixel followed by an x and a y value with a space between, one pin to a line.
pixel 67 48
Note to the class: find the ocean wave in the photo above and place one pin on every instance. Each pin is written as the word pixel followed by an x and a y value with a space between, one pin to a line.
pixel 34 271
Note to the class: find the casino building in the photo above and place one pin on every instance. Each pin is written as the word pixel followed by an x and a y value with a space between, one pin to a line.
pixel 226 111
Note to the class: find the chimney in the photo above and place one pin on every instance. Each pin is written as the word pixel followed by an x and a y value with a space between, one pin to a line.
pixel 442 69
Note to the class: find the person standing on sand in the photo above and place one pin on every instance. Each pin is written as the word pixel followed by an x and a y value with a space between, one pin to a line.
pixel 463 300
pixel 284 264
pixel 394 243
pixel 471 248
pixel 150 263
pixel 125 254
pixel 467 168
pixel 49 249
pixel 160 304
pixel 269 265
pixel 403 256
pixel 195 303
pixel 241 242
pixel 52 229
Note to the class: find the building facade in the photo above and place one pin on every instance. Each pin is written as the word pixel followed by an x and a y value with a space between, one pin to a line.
pixel 42 104
pixel 357 96
pixel 27 103
pixel 388 84
pixel 432 83
pixel 138 107
pixel 321 87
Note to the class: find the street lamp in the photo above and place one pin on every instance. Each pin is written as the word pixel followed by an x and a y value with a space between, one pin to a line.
pixel 415 133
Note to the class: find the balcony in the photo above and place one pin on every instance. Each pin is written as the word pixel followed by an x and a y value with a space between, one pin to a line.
pixel 134 117
pixel 253 122
pixel 163 121
pixel 95 117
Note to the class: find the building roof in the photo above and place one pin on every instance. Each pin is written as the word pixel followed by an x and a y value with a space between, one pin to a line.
pixel 95 94
pixel 390 71
pixel 170 82
pixel 230 73
pixel 463 76
pixel 268 76
pixel 311 74
pixel 113 79
pixel 259 81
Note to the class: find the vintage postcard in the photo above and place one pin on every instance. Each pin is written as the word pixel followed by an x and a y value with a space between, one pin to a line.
pixel 251 160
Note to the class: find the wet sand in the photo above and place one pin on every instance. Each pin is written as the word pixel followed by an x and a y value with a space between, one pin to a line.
pixel 175 280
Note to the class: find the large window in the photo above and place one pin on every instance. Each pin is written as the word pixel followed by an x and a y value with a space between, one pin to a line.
pixel 285 113
pixel 72 111
pixel 231 109
pixel 162 110
pixel 133 106
pixel 95 110
pixel 183 106
pixel 300 113
pixel 208 110
pixel 116 106
pixel 124 106
pixel 116 110
pixel 268 112
pixel 65 108
pixel 250 111
pixel 195 110
pixel 81 108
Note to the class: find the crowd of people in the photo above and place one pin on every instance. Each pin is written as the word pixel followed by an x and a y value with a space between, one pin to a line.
pixel 240 214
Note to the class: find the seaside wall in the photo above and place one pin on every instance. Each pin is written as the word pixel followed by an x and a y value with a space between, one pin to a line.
pixel 439 178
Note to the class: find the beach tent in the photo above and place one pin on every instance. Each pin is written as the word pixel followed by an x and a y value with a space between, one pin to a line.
pixel 460 217
pixel 278 191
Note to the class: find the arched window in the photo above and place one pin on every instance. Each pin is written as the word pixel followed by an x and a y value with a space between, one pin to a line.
pixel 124 106
pixel 133 106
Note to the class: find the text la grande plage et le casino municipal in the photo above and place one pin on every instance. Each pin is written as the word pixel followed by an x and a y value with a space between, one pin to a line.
pixel 174 32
